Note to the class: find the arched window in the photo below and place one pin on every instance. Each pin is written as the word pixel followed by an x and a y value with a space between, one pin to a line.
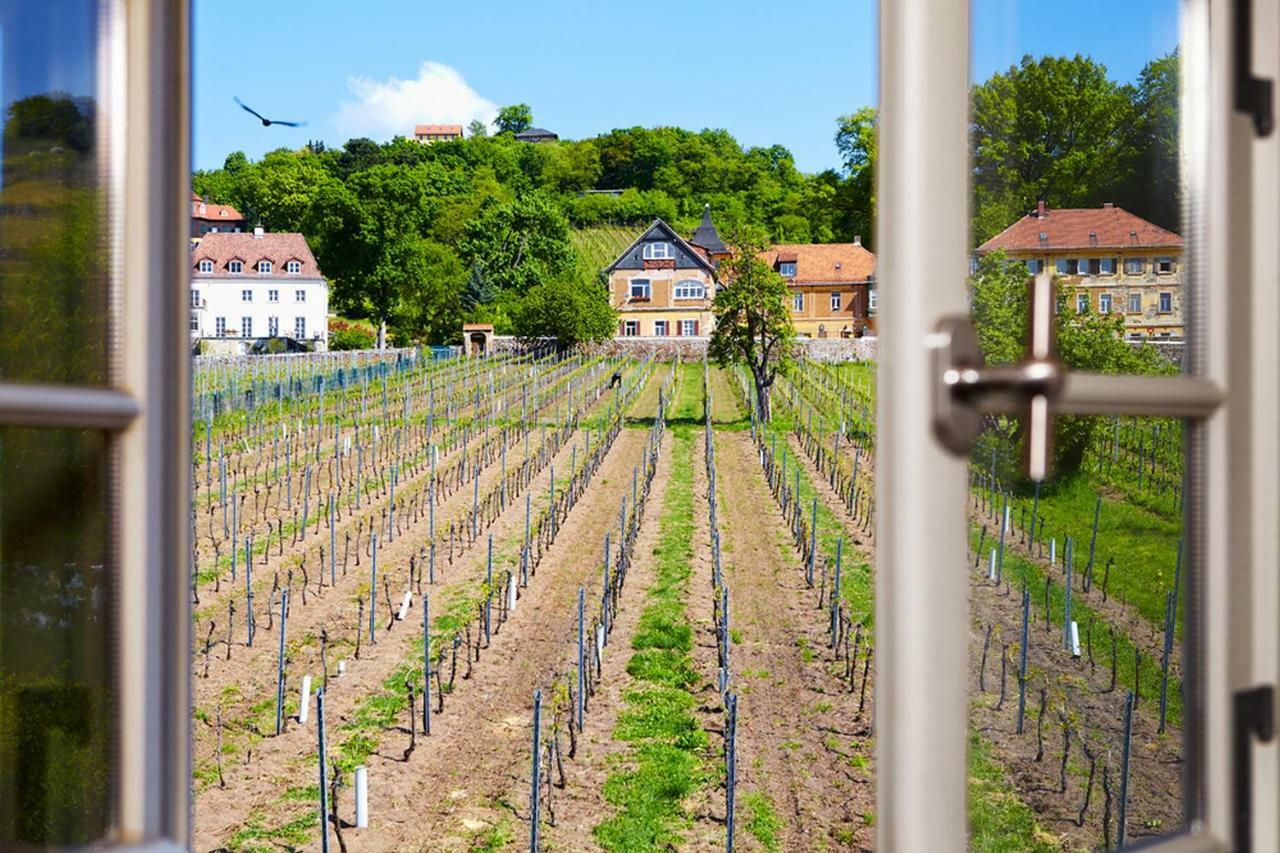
pixel 235 267
pixel 658 251
pixel 206 265
pixel 264 267
pixel 690 288
pixel 293 267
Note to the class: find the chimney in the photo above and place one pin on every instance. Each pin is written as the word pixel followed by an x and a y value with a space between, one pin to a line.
pixel 857 239
pixel 1041 210
pixel 257 232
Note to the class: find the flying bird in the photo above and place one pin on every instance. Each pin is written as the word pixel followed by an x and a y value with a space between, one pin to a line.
pixel 267 122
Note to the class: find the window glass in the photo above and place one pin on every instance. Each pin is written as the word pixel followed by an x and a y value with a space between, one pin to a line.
pixel 1035 266
pixel 54 259
pixel 787 269
pixel 1104 303
pixel 55 607
pixel 1107 266
pixel 1164 265
pixel 797 302
pixel 246 327
pixel 835 302
pixel 690 289
pixel 1134 266
pixel 300 328
pixel 1082 303
pixel 660 328
pixel 1135 303
pixel 639 288
pixel 1166 302
pixel 235 266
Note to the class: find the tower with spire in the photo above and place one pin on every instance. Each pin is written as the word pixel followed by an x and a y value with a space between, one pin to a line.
pixel 706 239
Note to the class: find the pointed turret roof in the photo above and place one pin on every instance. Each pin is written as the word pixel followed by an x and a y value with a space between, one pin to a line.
pixel 707 237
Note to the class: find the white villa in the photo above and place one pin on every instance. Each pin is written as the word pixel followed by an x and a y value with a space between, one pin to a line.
pixel 257 285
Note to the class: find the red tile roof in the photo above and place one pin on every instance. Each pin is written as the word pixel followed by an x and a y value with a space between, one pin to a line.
pixel 223 247
pixel 1106 227
pixel 437 129
pixel 200 209
pixel 824 263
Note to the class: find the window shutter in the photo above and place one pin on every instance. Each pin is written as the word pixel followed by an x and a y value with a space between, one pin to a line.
pixel 696 327
pixel 678 324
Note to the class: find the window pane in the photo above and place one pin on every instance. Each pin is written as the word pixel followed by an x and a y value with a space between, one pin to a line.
pixel 54 259
pixel 1089 561
pixel 55 684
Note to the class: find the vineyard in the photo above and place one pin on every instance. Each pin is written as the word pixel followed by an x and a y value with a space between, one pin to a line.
pixel 581 602
pixel 600 245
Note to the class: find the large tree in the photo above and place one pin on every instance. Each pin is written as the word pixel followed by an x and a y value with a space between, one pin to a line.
pixel 857 138
pixel 514 119
pixel 572 309
pixel 517 245
pixel 753 316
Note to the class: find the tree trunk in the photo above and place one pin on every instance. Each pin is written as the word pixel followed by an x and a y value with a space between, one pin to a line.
pixel 382 335
pixel 762 396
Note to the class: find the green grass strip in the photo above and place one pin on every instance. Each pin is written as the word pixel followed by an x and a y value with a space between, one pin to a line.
pixel 998 820
pixel 669 758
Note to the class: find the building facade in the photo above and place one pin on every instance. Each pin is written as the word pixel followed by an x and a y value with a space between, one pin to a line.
pixel 257 285
pixel 662 285
pixel 428 133
pixel 1109 260
pixel 213 218
pixel 832 287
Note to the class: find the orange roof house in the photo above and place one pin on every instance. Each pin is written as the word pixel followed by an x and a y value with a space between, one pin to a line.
pixel 437 132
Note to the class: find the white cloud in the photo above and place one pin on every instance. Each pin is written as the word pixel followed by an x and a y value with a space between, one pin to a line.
pixel 438 95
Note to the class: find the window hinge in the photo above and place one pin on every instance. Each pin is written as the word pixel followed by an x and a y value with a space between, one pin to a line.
pixel 1254 711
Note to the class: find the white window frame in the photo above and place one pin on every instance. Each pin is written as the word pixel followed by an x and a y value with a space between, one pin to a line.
pixel 300 328
pixel 646 286
pixel 265 267
pixel 1130 309
pixel 1106 266
pixel 1035 266
pixel 299 296
pixel 206 266
pixel 1082 303
pixel 1164 298
pixel 293 267
pixel 194 323
pixel 631 328
pixel 273 296
pixel 836 300
pixel 659 250
pixel 1104 303
pixel 246 327
pixel 1165 265
pixel 922 640
pixel 220 326
pixel 246 296
pixel 689 328
pixel 797 303
pixel 1135 266
pixel 235 267
pixel 787 269
pixel 661 328
pixel 195 298
pixel 872 300
pixel 689 288
pixel 273 327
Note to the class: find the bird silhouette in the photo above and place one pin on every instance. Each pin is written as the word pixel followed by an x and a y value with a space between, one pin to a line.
pixel 267 122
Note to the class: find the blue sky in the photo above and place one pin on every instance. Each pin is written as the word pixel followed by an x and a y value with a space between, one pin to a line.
pixel 769 72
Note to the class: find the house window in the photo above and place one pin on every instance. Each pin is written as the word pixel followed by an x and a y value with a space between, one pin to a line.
pixel 1164 265
pixel 220 326
pixel 235 267
pixel 293 267
pixel 264 267
pixel 797 302
pixel 1135 266
pixel 1082 303
pixel 660 328
pixel 273 296
pixel 1107 266
pixel 1135 303
pixel 246 296
pixel 195 299
pixel 273 327
pixel 658 251
pixel 631 328
pixel 1166 302
pixel 1035 266
pixel 835 302
pixel 300 328
pixel 640 288
pixel 299 296
pixel 206 266
pixel 688 328
pixel 871 296
pixel 1087 266
pixel 246 327
pixel 788 269
pixel 1104 303
pixel 1068 266
pixel 690 289
pixel 195 322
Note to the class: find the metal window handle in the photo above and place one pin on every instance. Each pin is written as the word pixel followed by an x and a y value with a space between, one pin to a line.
pixel 965 389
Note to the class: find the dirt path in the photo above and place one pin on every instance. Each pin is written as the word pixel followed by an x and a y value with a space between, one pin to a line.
pixel 803 747
pixel 466 776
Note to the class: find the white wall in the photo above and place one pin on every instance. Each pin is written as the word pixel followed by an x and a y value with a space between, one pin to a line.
pixel 222 297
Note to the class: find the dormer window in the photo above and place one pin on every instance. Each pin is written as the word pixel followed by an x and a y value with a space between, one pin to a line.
pixel 206 265
pixel 658 251
pixel 264 267
pixel 787 269
pixel 293 267
pixel 235 267
pixel 1093 238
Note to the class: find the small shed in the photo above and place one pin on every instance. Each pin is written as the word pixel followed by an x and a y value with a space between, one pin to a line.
pixel 477 339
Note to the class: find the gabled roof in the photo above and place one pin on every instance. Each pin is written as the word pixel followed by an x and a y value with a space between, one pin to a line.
pixel 437 129
pixel 824 263
pixel 536 132
pixel 200 209
pixel 222 247
pixel 686 255
pixel 1084 228
pixel 707 237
